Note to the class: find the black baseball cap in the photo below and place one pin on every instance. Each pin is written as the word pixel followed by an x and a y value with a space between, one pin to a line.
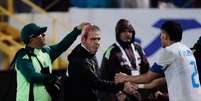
pixel 30 30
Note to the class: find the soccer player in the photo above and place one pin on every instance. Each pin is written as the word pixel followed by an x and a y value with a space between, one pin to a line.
pixel 178 64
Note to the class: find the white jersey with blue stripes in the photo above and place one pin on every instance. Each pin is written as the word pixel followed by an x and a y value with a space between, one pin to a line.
pixel 179 66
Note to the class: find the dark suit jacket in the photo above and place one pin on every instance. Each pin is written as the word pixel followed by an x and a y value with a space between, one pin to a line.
pixel 83 81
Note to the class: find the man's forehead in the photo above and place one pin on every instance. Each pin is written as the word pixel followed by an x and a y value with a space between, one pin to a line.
pixel 94 33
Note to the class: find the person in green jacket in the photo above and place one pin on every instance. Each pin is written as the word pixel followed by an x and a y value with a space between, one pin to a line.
pixel 28 67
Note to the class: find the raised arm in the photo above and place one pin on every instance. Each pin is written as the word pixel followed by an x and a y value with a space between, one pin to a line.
pixel 57 49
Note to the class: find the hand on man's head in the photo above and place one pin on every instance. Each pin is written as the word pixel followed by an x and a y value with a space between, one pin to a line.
pixel 83 25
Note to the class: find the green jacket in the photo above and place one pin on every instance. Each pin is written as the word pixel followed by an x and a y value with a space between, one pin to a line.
pixel 28 70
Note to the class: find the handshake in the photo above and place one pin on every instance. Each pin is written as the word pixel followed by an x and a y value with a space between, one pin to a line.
pixel 129 88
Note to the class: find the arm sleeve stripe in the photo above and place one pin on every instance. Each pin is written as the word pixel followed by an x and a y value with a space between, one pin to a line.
pixel 156 68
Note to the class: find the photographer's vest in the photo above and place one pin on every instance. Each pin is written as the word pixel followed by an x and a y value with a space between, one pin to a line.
pixel 23 86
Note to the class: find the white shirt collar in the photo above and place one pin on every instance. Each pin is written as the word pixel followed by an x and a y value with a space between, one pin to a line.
pixel 85 48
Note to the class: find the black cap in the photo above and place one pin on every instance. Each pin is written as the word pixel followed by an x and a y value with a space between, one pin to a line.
pixel 30 30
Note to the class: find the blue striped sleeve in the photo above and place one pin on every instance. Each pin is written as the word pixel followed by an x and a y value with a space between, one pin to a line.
pixel 156 68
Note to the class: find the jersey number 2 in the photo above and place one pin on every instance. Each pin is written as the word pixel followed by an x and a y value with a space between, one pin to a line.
pixel 194 75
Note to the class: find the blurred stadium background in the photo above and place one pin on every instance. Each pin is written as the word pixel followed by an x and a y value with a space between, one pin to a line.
pixel 62 15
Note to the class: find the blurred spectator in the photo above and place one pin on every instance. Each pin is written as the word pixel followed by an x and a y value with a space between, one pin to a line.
pixel 196 3
pixel 21 7
pixel 133 3
pixel 182 3
pixel 53 5
pixel 165 4
pixel 127 3
pixel 38 2
pixel 175 3
pixel 91 3
pixel 161 4
pixel 153 3
pixel 63 5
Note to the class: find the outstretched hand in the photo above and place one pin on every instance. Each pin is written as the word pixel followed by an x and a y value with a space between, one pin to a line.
pixel 120 78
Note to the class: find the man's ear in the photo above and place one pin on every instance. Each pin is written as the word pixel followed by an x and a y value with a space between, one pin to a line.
pixel 83 39
pixel 29 42
pixel 167 37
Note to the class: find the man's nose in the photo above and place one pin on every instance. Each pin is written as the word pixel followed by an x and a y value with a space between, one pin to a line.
pixel 129 33
pixel 97 41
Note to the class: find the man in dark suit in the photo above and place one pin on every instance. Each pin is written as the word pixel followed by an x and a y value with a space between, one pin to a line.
pixel 83 81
